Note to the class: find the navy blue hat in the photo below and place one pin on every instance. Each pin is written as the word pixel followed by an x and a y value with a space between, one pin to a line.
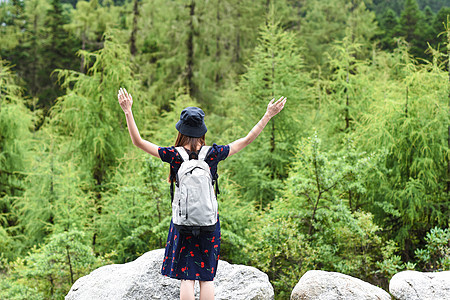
pixel 192 122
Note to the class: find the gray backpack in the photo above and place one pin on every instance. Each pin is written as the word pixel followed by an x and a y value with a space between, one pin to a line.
pixel 194 202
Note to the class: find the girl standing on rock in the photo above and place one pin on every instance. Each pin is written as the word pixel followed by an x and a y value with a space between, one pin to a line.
pixel 189 258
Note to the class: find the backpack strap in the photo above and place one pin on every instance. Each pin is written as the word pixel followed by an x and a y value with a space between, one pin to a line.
pixel 203 152
pixel 172 188
pixel 184 155
pixel 173 177
pixel 216 181
pixel 202 155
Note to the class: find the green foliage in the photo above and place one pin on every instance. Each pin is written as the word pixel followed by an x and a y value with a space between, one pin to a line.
pixel 391 263
pixel 276 70
pixel 325 179
pixel 15 121
pixel 397 5
pixel 328 21
pixel 388 23
pixel 45 45
pixel 177 50
pixel 439 26
pixel 436 255
pixel 312 226
pixel 277 247
pixel 236 213
pixel 344 100
pixel 11 290
pixel 89 111
pixel 367 198
pixel 26 55
pixel 89 21
pixel 11 15
pixel 412 125
pixel 136 213
pixel 54 267
pixel 54 199
pixel 411 28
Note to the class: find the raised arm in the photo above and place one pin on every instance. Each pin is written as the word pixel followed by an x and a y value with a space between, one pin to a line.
pixel 126 101
pixel 272 110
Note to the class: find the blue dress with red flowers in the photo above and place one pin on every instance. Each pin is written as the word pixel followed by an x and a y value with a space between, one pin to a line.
pixel 188 257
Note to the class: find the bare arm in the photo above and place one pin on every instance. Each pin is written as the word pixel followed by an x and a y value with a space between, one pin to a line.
pixel 272 110
pixel 126 101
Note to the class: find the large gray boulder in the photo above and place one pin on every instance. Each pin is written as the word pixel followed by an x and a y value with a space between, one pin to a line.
pixel 142 279
pixel 324 285
pixel 414 285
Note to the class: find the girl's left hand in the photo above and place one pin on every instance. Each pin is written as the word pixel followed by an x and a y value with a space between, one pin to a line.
pixel 125 100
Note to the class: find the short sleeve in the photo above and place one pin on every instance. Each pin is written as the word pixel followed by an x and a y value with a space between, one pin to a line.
pixel 167 154
pixel 218 152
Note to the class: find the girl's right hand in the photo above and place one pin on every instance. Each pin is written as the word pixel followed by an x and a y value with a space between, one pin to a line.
pixel 125 100
pixel 275 108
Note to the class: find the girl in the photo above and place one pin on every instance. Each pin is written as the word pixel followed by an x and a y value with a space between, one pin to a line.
pixel 189 258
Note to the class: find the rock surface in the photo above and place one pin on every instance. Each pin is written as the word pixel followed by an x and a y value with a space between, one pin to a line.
pixel 334 286
pixel 142 279
pixel 413 285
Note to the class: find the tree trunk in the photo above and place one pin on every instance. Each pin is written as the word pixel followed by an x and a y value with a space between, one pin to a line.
pixel 350 200
pixel 218 53
pixel 237 49
pixel 70 265
pixel 133 48
pixel 272 139
pixel 98 175
pixel 448 66
pixel 52 285
pixel 52 190
pixel 406 103
pixel 34 85
pixel 190 51
pixel 408 173
pixel 83 47
pixel 347 102
pixel 319 195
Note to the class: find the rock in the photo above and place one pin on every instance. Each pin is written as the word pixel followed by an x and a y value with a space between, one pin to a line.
pixel 413 285
pixel 333 286
pixel 142 279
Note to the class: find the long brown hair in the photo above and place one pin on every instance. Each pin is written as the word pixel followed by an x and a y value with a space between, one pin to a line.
pixel 184 140
pixel 192 142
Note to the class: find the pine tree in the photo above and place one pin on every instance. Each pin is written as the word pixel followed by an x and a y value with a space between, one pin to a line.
pixel 388 24
pixel 276 70
pixel 90 115
pixel 344 100
pixel 411 124
pixel 90 21
pixel 12 20
pixel 53 200
pixel 439 23
pixel 54 267
pixel 312 226
pixel 321 28
pixel 410 28
pixel 44 46
pixel 58 52
pixel 220 45
pixel 136 212
pixel 15 121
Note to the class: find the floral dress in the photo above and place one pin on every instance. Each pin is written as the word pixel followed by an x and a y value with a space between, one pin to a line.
pixel 188 257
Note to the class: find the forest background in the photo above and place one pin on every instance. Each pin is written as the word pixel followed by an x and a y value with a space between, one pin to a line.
pixel 353 176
